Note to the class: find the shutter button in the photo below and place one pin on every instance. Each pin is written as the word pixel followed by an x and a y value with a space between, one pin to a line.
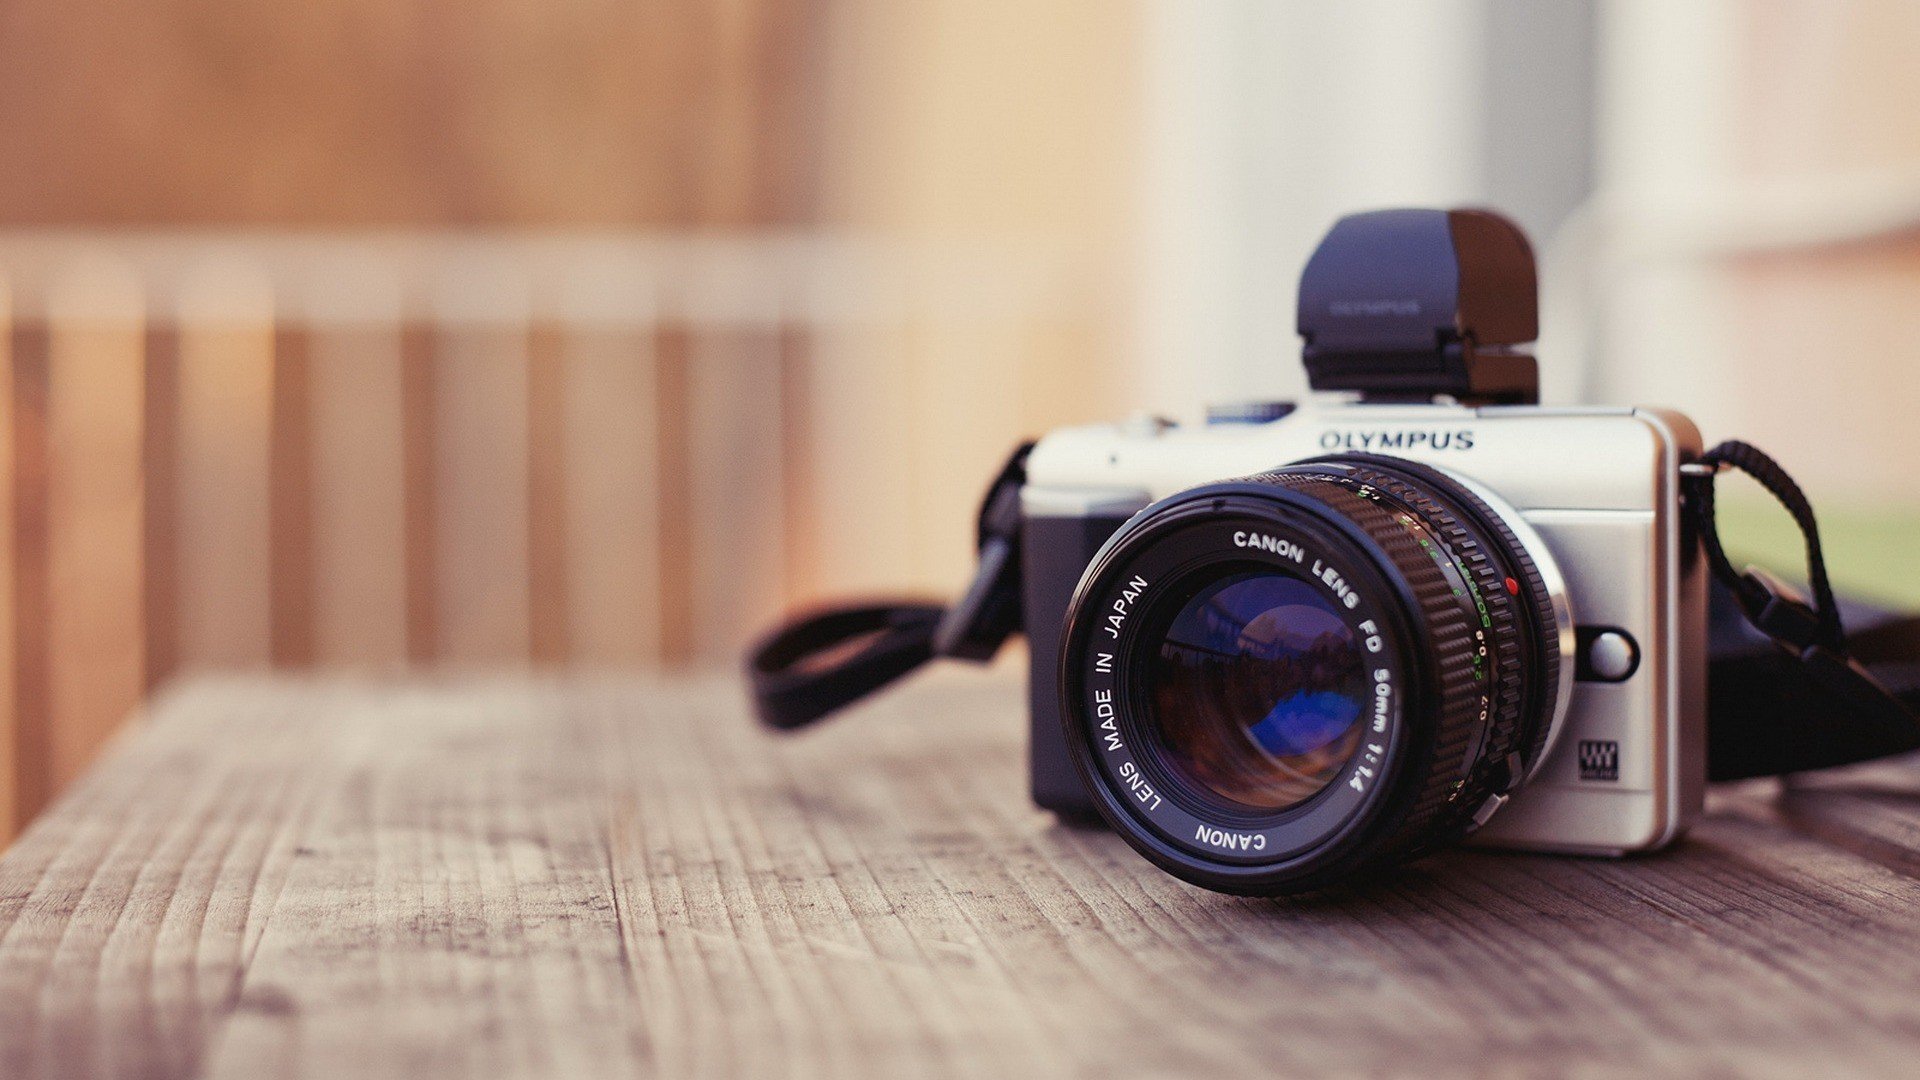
pixel 1145 425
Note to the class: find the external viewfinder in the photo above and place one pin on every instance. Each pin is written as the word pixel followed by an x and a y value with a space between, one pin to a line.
pixel 1410 305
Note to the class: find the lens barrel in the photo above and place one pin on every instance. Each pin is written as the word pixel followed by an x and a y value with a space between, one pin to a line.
pixel 1276 683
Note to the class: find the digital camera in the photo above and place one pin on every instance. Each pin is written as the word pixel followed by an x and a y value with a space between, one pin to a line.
pixel 1291 646
pixel 1292 642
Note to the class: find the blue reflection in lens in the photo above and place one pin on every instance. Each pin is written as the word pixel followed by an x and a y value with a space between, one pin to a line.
pixel 1305 721
pixel 1259 689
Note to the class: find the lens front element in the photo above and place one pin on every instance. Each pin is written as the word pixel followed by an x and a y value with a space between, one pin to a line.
pixel 1258 692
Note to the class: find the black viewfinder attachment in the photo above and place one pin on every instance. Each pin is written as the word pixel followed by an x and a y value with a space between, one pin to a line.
pixel 1410 305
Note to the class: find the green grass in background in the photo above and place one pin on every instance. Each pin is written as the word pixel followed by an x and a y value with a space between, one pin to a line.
pixel 1873 549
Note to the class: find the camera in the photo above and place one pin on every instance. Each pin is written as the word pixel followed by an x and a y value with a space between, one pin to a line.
pixel 1294 643
pixel 1297 645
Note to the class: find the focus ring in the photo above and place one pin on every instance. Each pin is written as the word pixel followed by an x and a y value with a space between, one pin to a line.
pixel 1445 776
pixel 1488 773
pixel 1507 689
pixel 1534 690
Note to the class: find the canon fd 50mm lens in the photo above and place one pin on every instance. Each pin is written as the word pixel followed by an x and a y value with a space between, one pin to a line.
pixel 1277 682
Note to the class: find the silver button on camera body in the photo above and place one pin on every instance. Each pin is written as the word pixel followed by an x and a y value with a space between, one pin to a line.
pixel 1612 656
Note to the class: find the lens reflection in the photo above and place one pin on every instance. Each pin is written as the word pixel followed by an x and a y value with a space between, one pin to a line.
pixel 1258 691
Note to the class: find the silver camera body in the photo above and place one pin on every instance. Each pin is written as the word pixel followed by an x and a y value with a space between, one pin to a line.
pixel 1594 495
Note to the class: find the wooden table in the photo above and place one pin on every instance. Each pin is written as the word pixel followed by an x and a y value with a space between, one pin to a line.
pixel 600 879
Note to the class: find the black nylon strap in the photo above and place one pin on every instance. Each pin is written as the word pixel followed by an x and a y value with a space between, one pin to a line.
pixel 1755 594
pixel 1770 711
pixel 1787 690
pixel 823 662
pixel 819 663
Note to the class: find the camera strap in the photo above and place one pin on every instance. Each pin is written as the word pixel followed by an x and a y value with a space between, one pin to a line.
pixel 1788 689
pixel 825 660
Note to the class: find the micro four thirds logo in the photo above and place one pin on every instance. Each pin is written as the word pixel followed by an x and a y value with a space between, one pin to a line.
pixel 1599 759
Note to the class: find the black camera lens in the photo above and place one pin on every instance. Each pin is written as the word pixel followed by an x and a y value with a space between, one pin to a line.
pixel 1276 683
pixel 1258 689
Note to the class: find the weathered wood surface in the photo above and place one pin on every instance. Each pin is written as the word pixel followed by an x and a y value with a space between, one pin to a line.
pixel 570 878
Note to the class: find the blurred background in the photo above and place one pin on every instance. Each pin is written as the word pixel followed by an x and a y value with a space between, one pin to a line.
pixel 500 334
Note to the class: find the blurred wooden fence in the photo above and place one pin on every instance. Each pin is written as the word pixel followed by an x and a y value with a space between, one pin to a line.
pixel 404 452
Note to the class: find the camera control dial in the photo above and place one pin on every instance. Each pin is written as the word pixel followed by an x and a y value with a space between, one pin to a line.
pixel 1249 412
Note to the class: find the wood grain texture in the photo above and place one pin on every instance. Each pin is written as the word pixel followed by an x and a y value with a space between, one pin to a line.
pixel 513 878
